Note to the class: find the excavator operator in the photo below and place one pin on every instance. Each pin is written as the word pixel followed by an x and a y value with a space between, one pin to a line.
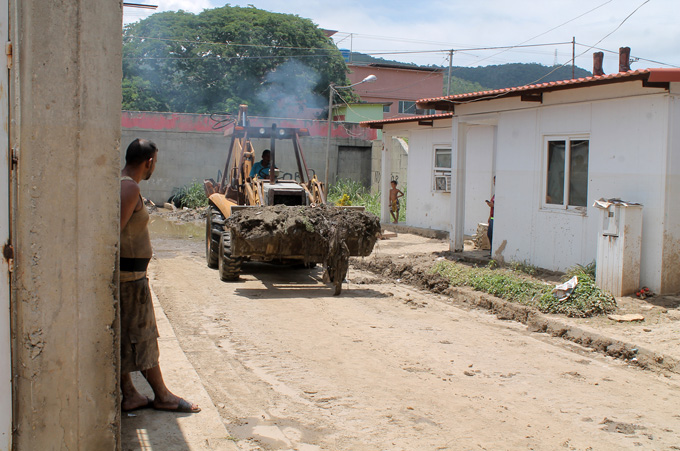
pixel 261 168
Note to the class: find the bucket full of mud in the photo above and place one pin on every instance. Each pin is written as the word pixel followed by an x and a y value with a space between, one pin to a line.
pixel 300 232
pixel 306 234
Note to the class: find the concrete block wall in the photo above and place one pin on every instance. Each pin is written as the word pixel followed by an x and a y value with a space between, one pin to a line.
pixel 65 128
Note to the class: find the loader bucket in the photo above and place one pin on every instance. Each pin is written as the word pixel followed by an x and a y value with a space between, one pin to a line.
pixel 303 233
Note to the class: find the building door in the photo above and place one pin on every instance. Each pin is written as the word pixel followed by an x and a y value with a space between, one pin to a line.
pixel 5 355
pixel 354 163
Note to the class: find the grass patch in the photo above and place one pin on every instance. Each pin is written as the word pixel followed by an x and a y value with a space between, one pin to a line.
pixel 512 285
pixel 350 192
pixel 524 267
pixel 190 196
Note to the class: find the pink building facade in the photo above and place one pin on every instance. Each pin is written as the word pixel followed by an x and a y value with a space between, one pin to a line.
pixel 398 87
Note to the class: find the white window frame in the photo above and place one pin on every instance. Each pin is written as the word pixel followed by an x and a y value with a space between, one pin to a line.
pixel 564 206
pixel 441 175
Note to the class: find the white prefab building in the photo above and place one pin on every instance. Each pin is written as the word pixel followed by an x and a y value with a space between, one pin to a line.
pixel 554 149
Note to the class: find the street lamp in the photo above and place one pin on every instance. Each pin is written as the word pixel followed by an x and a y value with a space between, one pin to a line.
pixel 334 89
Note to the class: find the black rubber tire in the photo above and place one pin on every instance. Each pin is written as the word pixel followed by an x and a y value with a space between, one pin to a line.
pixel 214 226
pixel 228 267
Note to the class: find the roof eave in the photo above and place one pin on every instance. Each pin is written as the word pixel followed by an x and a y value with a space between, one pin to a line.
pixel 533 93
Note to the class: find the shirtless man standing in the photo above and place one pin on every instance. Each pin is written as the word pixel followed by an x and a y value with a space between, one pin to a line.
pixel 139 344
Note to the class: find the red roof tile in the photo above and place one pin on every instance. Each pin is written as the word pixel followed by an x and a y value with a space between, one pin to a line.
pixel 428 117
pixel 650 75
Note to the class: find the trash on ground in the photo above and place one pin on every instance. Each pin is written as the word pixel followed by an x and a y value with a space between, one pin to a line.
pixel 564 290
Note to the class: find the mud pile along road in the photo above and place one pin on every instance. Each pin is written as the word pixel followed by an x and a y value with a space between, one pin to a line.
pixel 385 366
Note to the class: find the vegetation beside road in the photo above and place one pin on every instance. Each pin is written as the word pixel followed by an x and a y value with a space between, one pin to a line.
pixel 350 192
pixel 505 283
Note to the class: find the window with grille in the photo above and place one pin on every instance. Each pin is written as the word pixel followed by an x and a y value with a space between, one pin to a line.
pixel 442 169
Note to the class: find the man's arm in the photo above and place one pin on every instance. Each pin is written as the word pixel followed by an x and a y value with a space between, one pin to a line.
pixel 129 199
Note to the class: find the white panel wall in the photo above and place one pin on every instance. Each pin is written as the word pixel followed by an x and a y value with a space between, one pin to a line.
pixel 479 175
pixel 516 179
pixel 426 208
pixel 670 277
pixel 627 160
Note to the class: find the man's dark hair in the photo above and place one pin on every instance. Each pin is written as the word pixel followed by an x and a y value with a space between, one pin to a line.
pixel 265 152
pixel 395 182
pixel 139 151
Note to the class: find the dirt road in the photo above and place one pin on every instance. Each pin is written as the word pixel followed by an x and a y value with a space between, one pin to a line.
pixel 385 367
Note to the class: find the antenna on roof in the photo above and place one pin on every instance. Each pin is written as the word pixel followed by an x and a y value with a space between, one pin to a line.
pixel 555 60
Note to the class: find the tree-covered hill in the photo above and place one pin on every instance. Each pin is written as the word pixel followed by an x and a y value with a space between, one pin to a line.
pixel 222 57
pixel 516 74
pixel 469 79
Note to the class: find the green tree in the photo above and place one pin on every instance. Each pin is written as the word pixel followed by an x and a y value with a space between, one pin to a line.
pixel 223 57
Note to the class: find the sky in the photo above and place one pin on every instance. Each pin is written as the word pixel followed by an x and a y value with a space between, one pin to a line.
pixel 424 31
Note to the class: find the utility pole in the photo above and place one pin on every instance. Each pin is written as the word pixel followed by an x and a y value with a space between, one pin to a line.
pixel 573 56
pixel 448 83
pixel 351 50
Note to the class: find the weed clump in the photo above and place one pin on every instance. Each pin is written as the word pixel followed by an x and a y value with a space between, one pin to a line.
pixel 351 192
pixel 190 196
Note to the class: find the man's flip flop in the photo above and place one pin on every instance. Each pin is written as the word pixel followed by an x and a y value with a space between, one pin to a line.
pixel 148 405
pixel 182 407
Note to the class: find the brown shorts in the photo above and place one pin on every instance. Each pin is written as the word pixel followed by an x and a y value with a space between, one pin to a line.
pixel 138 331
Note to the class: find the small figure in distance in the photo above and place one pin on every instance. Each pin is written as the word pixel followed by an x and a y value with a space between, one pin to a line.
pixel 491 203
pixel 261 168
pixel 395 194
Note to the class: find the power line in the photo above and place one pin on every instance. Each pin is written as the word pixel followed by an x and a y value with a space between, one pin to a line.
pixel 371 53
pixel 467 49
pixel 557 68
pixel 228 44
pixel 614 52
pixel 617 27
pixel 218 58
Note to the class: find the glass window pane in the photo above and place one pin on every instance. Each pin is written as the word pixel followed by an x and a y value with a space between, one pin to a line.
pixel 578 173
pixel 555 182
pixel 442 158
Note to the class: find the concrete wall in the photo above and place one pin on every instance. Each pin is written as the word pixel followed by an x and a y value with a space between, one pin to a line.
pixel 5 333
pixel 191 151
pixel 66 128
